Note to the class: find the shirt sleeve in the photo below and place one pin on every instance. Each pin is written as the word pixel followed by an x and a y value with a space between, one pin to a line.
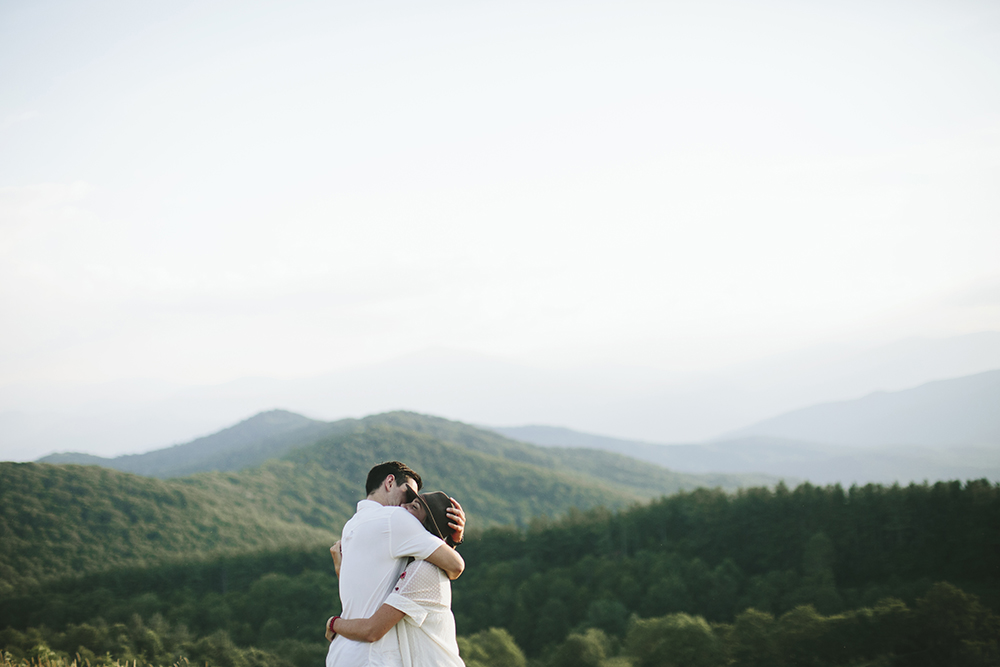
pixel 408 537
pixel 418 589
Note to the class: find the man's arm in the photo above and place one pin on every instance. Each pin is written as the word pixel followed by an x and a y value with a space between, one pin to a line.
pixel 448 560
pixel 369 629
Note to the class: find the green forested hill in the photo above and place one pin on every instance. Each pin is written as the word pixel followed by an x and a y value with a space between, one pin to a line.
pixel 58 519
pixel 273 434
pixel 492 490
pixel 320 485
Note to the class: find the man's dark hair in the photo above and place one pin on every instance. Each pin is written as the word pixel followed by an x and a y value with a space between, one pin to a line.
pixel 398 470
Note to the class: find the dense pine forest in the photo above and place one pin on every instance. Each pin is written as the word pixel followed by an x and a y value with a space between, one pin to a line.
pixel 869 575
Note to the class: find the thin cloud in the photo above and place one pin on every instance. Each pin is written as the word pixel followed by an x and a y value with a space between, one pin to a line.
pixel 13 119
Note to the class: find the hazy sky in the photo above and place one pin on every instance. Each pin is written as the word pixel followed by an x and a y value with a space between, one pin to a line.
pixel 203 191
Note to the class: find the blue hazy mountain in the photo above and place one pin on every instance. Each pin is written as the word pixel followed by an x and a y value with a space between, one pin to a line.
pixel 642 402
pixel 963 411
pixel 788 459
pixel 948 429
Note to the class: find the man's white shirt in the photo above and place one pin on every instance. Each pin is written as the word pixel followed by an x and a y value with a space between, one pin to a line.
pixel 375 542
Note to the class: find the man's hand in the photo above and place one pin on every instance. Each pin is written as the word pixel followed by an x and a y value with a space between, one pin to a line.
pixel 456 516
pixel 329 635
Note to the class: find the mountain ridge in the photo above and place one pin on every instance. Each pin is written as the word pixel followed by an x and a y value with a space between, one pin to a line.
pixel 648 403
pixel 816 462
pixel 277 433
pixel 956 411
pixel 946 429
pixel 258 438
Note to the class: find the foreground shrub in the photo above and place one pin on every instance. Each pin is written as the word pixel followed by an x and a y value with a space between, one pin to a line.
pixel 491 648
pixel 677 640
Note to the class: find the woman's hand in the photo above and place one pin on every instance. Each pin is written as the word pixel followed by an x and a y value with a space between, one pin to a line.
pixel 337 555
pixel 457 521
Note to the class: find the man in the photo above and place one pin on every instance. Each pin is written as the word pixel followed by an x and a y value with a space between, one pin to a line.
pixel 375 545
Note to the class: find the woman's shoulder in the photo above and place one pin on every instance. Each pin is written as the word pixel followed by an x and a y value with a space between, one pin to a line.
pixel 421 574
pixel 423 567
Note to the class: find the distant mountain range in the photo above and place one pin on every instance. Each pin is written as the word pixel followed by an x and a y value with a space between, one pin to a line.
pixel 791 459
pixel 948 429
pixel 639 403
pixel 275 433
pixel 961 411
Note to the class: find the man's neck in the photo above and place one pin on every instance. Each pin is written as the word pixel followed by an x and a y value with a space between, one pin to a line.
pixel 379 498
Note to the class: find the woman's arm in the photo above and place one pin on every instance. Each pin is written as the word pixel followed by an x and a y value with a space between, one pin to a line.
pixel 369 629
pixel 448 560
pixel 338 556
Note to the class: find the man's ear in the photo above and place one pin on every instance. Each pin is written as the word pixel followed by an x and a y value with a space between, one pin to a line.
pixel 388 482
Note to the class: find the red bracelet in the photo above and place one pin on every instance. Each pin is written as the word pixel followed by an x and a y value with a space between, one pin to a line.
pixel 329 626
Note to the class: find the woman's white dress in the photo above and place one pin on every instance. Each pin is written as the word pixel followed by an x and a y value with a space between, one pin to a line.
pixel 427 632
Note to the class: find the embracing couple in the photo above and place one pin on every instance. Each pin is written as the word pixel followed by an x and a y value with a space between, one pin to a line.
pixel 395 562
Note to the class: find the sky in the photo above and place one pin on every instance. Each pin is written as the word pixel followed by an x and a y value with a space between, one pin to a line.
pixel 200 192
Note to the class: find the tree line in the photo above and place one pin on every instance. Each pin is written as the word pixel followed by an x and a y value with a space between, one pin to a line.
pixel 779 573
pixel 714 554
pixel 945 627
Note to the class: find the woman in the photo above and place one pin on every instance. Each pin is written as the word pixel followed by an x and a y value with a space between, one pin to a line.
pixel 421 598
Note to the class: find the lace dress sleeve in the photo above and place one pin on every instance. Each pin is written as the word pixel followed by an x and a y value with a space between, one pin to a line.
pixel 417 591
